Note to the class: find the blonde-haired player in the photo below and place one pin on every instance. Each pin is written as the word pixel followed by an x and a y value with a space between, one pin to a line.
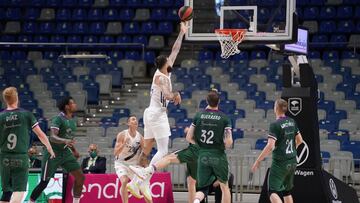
pixel 15 124
pixel 127 151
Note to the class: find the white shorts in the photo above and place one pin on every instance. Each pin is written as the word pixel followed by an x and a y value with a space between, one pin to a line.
pixel 122 170
pixel 156 124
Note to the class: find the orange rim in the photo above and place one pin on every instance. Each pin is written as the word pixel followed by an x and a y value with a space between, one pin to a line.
pixel 237 34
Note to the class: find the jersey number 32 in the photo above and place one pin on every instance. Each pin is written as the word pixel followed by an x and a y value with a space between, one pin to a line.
pixel 207 136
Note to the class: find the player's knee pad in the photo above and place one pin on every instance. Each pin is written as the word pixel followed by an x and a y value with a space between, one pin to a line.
pixel 6 196
pixel 286 193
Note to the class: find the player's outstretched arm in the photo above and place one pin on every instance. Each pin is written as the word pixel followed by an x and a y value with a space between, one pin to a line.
pixel 190 134
pixel 43 139
pixel 120 143
pixel 177 45
pixel 228 140
pixel 298 140
pixel 265 152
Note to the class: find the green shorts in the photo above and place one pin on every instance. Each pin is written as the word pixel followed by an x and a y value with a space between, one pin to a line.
pixel 212 165
pixel 281 176
pixel 64 158
pixel 189 156
pixel 14 171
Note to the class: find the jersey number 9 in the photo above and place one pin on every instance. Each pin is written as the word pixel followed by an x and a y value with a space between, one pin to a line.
pixel 12 140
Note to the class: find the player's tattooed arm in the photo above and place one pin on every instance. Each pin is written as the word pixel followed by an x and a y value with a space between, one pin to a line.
pixel 58 140
pixel 177 44
pixel 228 140
pixel 164 84
pixel 120 143
pixel 190 134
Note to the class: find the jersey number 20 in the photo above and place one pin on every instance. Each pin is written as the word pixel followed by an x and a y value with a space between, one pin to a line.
pixel 206 136
pixel 12 140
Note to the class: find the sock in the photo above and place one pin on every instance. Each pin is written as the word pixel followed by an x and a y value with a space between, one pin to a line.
pixel 76 200
pixel 196 201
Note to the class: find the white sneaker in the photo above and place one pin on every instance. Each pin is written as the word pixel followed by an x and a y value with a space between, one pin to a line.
pixel 133 188
pixel 142 173
pixel 145 189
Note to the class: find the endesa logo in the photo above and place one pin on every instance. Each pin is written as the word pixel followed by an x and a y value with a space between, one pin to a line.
pixel 112 190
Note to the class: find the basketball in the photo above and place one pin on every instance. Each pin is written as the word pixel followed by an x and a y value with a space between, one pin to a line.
pixel 185 13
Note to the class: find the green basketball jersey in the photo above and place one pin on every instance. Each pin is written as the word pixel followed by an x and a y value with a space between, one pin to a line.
pixel 284 130
pixel 66 127
pixel 14 128
pixel 209 129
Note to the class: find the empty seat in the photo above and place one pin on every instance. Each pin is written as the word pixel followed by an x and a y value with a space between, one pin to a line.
pixel 101 3
pixel 113 28
pixel 47 14
pixel 329 145
pixel 142 14
pixel 80 98
pixel 156 42
pixel 81 70
pixel 74 87
pixel 12 27
pixel 105 82
pixel 127 66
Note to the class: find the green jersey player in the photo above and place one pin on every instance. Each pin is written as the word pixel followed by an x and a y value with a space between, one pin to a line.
pixel 63 127
pixel 15 124
pixel 211 130
pixel 283 139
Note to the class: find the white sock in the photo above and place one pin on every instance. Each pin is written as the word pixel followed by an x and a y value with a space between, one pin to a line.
pixel 196 201
pixel 162 145
pixel 76 200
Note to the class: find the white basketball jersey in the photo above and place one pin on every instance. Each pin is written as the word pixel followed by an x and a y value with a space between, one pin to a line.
pixel 131 152
pixel 157 99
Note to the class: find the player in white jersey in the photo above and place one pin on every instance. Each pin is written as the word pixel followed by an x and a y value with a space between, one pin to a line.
pixel 127 151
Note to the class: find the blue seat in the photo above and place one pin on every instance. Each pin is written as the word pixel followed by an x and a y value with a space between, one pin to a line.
pixel 183 123
pixel 327 12
pixel 107 122
pixel 106 39
pixel 79 14
pixel 329 55
pixel 250 71
pixel 354 147
pixel 311 13
pixel 158 14
pixel 134 55
pixel 63 14
pixel 227 106
pixel 349 55
pixel 64 28
pixel 96 71
pixel 57 39
pixel 196 72
pixel 92 89
pixel 185 94
pixel 341 135
pixel 338 41
pixel 263 14
pixel 8 38
pixel 350 2
pixel 117 3
pixel 319 78
pixel 347 88
pixel 357 12
pixel 121 113
pixel 46 28
pixel 260 144
pixel 148 27
pixel 95 14
pixel 74 39
pixel 328 106
pixel 192 87
pixel 257 96
pixel 68 78
pixel 123 39
pixel 142 39
pixel 117 76
pixel 41 38
pixel 38 113
pixel 258 55
pixel 336 115
pixel 150 3
pixel 28 104
pixel 265 104
pixel 186 79
pixel 13 14
pixel 69 3
pixel 149 57
pixel 172 14
pixel 203 81
pixel 205 55
pixel 111 14
pixel 131 28
pixel 314 55
pixel 325 156
pixel 319 40
pixel 327 27
pixel 84 79
pixel 328 125
pixel 165 28
pixel 115 55
pixel 317 2
pixel 178 114
pixel 52 3
pixel 32 13
pixel 29 27
pixel 36 3
pixel 177 132
pixel 241 80
pixel 97 28
pixel 346 26
pixel 126 14
pixel 18 55
pixel 24 38
pixel 80 28
pixel 344 12
pixel 85 3
pixel 134 3
pixel 90 39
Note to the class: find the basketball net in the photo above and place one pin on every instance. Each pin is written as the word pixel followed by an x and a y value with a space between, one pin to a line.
pixel 229 40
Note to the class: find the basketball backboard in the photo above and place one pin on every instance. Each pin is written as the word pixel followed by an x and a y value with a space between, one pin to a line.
pixel 266 21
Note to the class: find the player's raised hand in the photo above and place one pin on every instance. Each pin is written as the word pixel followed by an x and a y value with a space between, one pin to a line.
pixel 184 26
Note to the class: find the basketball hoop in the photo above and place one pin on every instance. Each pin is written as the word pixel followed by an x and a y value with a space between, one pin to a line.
pixel 229 40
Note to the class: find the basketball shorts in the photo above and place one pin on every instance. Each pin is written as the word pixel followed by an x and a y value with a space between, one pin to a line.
pixel 281 176
pixel 122 170
pixel 14 172
pixel 156 124
pixel 212 165
pixel 189 156
pixel 64 159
